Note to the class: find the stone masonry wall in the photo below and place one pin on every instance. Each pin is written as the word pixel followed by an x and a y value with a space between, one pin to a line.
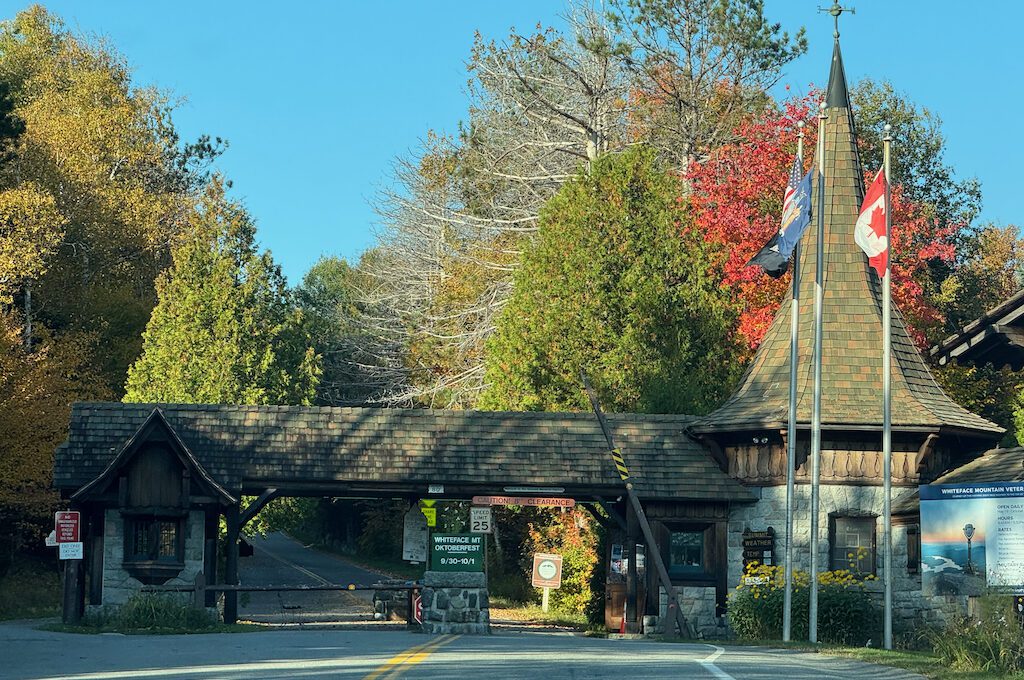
pixel 118 584
pixel 698 605
pixel 455 602
pixel 910 606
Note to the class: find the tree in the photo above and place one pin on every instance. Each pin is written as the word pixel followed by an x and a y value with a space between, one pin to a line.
pixel 699 67
pixel 614 284
pixel 327 298
pixel 225 329
pixel 102 186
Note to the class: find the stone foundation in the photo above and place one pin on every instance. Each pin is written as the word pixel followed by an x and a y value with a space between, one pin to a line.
pixel 455 602
pixel 698 605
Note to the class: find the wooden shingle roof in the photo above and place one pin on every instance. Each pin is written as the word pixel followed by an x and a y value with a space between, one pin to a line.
pixel 852 317
pixel 331 451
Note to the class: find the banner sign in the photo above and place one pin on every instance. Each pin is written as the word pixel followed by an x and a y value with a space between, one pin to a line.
pixel 972 538
pixel 457 552
pixel 525 500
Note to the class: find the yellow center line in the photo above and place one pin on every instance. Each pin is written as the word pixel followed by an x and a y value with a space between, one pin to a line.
pixel 402 661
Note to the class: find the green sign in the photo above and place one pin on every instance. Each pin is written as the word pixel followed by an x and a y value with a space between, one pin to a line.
pixel 457 552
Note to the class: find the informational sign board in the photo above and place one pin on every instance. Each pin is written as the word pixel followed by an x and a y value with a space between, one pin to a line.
pixel 525 500
pixel 70 551
pixel 414 536
pixel 759 546
pixel 66 523
pixel 972 538
pixel 51 539
pixel 547 570
pixel 457 552
pixel 480 520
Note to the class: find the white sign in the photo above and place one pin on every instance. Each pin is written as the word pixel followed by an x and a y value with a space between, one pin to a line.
pixel 435 488
pixel 51 539
pixel 414 536
pixel 480 520
pixel 70 551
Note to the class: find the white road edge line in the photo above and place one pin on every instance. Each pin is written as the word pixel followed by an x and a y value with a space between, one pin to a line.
pixel 708 663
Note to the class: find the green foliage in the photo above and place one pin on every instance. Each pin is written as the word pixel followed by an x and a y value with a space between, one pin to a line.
pixel 224 330
pixel 29 589
pixel 153 612
pixel 846 613
pixel 993 642
pixel 381 535
pixel 615 284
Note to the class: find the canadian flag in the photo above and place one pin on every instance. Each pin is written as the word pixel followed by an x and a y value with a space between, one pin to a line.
pixel 869 232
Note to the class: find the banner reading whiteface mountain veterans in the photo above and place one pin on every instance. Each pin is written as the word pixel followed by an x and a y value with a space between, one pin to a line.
pixel 972 537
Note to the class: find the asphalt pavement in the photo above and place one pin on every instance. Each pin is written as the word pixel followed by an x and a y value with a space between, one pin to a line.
pixel 30 654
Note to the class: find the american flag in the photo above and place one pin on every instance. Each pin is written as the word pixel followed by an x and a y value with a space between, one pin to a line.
pixel 789 208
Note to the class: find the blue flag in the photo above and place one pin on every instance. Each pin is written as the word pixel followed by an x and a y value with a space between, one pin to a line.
pixel 796 215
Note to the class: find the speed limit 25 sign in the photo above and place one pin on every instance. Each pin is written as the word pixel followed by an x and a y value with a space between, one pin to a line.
pixel 480 520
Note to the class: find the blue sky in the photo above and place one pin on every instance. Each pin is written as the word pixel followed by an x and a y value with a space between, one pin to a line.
pixel 317 98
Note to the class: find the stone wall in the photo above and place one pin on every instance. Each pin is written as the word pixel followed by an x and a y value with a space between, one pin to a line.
pixel 455 602
pixel 698 605
pixel 118 584
pixel 910 606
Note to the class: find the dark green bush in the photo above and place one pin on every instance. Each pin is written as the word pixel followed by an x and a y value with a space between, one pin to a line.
pixel 153 611
pixel 846 613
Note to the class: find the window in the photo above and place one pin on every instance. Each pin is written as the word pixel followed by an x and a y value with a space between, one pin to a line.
pixel 686 552
pixel 913 549
pixel 153 539
pixel 853 544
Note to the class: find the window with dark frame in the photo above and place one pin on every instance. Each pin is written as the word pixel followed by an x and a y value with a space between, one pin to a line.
pixel 686 552
pixel 853 544
pixel 153 539
pixel 913 549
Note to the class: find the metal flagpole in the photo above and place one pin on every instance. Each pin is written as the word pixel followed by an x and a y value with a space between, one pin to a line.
pixel 794 327
pixel 819 299
pixel 887 398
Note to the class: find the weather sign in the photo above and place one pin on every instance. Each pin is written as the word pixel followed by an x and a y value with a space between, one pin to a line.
pixel 972 537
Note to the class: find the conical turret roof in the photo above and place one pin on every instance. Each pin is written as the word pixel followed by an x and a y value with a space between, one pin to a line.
pixel 852 318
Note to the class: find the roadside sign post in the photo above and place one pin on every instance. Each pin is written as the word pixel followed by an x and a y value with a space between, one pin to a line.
pixel 547 574
pixel 67 532
pixel 480 520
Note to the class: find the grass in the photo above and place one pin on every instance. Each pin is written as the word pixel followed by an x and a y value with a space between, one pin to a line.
pixel 30 590
pixel 529 613
pixel 922 663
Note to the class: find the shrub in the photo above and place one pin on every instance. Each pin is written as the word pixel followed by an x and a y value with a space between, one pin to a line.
pixel 991 643
pixel 152 611
pixel 846 613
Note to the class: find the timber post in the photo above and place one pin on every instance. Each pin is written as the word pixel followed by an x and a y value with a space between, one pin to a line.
pixel 231 564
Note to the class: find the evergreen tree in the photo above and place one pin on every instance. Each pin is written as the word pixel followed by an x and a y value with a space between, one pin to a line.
pixel 615 283
pixel 225 329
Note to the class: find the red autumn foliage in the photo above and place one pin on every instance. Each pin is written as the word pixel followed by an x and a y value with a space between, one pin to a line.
pixel 736 203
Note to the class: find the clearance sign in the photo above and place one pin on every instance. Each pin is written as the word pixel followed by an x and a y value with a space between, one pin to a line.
pixel 525 500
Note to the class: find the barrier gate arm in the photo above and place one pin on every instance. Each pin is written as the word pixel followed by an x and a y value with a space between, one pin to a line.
pixel 645 527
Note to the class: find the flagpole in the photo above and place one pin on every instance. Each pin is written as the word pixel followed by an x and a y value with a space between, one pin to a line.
pixel 819 299
pixel 794 329
pixel 887 398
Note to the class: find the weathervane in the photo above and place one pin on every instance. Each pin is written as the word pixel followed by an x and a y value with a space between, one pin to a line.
pixel 835 10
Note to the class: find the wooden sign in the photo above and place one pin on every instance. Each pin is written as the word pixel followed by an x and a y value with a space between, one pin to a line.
pixel 759 546
pixel 525 500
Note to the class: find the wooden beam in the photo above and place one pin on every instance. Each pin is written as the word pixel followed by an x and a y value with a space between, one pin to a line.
pixel 925 451
pixel 231 564
pixel 257 505
pixel 619 520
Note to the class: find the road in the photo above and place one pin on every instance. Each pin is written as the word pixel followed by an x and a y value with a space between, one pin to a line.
pixel 281 560
pixel 376 655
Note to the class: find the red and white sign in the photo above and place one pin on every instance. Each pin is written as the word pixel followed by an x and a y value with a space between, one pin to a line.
pixel 66 523
pixel 417 607
pixel 547 570
pixel 524 500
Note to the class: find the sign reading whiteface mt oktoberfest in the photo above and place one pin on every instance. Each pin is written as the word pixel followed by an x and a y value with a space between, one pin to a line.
pixel 972 538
